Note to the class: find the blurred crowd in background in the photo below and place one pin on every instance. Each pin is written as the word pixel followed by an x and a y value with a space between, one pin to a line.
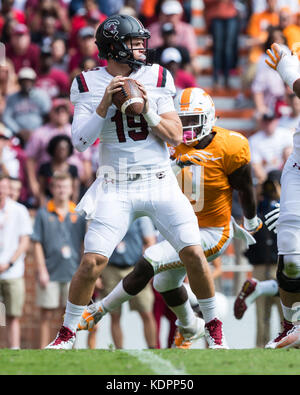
pixel 49 42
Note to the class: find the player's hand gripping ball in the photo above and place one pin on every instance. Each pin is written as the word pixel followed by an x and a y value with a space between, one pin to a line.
pixel 129 100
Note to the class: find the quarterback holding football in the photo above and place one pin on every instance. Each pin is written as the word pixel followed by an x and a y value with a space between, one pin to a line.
pixel 135 177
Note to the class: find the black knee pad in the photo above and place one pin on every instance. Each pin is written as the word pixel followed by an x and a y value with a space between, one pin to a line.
pixel 137 280
pixel 291 285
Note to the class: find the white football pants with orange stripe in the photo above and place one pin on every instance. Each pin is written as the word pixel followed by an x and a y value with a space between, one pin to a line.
pixel 170 271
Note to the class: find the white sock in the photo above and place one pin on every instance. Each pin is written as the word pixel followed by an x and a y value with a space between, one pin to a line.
pixel 184 313
pixel 115 298
pixel 208 308
pixel 73 315
pixel 291 314
pixel 192 297
pixel 268 287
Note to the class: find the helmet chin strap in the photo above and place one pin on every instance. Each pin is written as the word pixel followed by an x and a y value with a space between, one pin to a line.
pixel 135 64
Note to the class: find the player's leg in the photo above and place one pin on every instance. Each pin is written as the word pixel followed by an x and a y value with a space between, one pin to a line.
pixel 198 272
pixel 252 289
pixel 288 276
pixel 174 217
pixel 169 284
pixel 176 221
pixel 288 269
pixel 126 289
pixel 136 280
pixel 104 233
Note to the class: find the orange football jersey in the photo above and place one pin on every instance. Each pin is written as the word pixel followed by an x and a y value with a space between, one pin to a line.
pixel 207 185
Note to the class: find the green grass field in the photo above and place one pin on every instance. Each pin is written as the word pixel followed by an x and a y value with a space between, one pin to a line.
pixel 116 362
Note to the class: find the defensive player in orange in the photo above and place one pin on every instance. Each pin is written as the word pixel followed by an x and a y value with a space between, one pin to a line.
pixel 209 164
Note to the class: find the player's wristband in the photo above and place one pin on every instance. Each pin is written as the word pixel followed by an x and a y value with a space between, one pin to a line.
pixel 152 118
pixel 251 223
pixel 176 169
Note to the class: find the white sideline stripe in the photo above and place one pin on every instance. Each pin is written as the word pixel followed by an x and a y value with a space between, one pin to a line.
pixel 156 364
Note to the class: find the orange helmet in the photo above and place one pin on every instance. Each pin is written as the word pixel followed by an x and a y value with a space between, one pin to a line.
pixel 196 110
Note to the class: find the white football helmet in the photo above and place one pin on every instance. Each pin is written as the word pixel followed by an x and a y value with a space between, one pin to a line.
pixel 196 110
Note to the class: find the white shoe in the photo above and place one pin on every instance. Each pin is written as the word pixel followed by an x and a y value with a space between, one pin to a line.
pixel 185 336
pixel 288 338
pixel 214 335
pixel 64 340
pixel 90 317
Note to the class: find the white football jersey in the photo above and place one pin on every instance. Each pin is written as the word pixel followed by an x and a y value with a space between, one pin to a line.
pixel 126 143
pixel 296 143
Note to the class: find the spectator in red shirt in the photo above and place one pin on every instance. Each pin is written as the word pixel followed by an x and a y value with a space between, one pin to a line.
pixel 172 12
pixel 171 59
pixel 8 12
pixel 87 48
pixel 89 15
pixel 36 9
pixel 21 51
pixel 48 32
pixel 54 81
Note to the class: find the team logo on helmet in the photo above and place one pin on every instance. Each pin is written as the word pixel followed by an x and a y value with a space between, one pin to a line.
pixel 110 28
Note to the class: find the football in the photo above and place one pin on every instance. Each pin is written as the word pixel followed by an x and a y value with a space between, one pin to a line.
pixel 129 100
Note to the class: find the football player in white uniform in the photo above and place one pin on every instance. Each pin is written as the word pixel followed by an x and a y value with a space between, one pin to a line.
pixel 135 177
pixel 288 225
pixel 211 162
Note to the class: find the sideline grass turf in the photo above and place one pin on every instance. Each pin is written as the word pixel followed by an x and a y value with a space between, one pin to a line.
pixel 193 362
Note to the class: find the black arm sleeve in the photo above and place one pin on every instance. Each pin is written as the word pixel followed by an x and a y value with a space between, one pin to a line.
pixel 241 180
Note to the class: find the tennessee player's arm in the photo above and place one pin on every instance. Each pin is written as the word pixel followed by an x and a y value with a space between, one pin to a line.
pixel 239 172
pixel 241 180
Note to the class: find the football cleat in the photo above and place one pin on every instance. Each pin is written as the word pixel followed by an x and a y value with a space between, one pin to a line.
pixel 90 317
pixel 214 335
pixel 246 296
pixel 288 338
pixel 184 337
pixel 64 340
